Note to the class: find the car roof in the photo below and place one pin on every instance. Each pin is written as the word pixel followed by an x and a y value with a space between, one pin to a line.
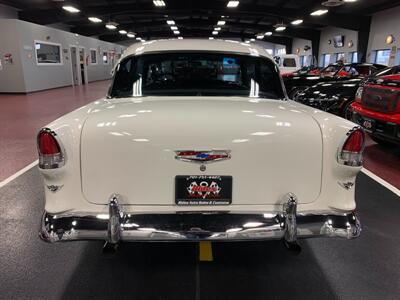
pixel 217 45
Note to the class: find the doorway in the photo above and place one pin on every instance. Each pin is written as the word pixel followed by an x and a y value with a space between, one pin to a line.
pixel 74 66
pixel 83 65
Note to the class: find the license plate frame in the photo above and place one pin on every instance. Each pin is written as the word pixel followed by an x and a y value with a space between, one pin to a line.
pixel 197 190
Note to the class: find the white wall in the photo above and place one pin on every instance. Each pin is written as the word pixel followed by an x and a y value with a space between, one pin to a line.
pixel 328 33
pixel 21 38
pixel 299 44
pixel 384 23
pixel 7 12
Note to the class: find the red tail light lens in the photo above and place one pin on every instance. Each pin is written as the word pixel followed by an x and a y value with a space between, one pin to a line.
pixel 50 152
pixel 352 149
pixel 47 144
pixel 355 142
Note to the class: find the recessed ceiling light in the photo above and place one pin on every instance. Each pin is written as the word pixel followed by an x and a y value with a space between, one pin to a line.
pixel 180 38
pixel 247 42
pixel 269 33
pixel 170 22
pixel 130 35
pixel 159 3
pixel 280 28
pixel 252 40
pixel 123 32
pixel 177 32
pixel 95 20
pixel 210 38
pixel 217 28
pixel 174 28
pixel 297 22
pixel 215 32
pixel 260 36
pixel 319 12
pixel 111 25
pixel 71 9
pixel 350 0
pixel 221 23
pixel 138 38
pixel 232 4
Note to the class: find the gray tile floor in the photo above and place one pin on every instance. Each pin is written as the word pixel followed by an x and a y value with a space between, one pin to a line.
pixel 366 268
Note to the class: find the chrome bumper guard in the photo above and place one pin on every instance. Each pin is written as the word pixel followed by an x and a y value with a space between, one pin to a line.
pixel 196 226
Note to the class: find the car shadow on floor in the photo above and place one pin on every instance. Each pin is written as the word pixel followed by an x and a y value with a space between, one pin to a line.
pixel 240 270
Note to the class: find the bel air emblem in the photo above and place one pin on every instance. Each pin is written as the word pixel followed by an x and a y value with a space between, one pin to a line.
pixel 203 157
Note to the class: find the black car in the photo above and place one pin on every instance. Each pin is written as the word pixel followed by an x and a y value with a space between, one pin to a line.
pixel 336 96
pixel 332 73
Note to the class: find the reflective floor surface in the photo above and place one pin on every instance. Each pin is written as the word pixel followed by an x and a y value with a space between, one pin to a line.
pixel 365 268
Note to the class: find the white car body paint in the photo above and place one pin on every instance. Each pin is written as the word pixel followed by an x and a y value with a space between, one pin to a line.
pixel 127 145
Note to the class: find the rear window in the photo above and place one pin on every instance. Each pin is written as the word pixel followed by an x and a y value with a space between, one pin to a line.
pixel 289 62
pixel 197 74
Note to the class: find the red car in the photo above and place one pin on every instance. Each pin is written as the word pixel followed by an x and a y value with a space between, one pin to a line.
pixel 377 107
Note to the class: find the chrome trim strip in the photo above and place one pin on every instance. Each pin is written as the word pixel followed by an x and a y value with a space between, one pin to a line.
pixel 114 225
pixel 195 226
pixel 290 209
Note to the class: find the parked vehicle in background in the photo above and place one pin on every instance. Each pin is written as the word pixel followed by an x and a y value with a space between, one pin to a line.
pixel 332 73
pixel 308 70
pixel 288 63
pixel 337 96
pixel 377 107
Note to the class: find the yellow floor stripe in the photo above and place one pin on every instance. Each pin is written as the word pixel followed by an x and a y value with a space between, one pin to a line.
pixel 205 251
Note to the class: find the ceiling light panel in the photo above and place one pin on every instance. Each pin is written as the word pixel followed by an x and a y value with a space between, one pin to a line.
pixel 170 22
pixel 71 9
pixel 297 22
pixel 319 12
pixel 233 4
pixel 221 23
pixel 159 3
pixel 95 20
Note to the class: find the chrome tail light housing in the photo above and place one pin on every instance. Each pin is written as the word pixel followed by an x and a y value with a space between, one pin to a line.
pixel 351 151
pixel 50 150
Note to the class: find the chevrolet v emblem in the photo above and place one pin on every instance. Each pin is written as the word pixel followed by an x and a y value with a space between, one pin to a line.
pixel 202 157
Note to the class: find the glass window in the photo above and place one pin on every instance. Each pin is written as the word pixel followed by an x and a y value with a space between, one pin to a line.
pixel 105 57
pixel 93 56
pixel 302 60
pixel 382 57
pixel 197 74
pixel 270 51
pixel 341 56
pixel 289 62
pixel 281 51
pixel 327 60
pixel 48 53
pixel 354 57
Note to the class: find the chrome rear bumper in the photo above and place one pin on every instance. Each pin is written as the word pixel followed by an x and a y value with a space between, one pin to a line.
pixel 195 226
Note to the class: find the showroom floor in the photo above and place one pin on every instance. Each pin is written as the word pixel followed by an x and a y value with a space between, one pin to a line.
pixel 365 268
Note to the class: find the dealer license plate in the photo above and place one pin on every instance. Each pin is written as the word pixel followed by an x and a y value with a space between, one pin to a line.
pixel 203 190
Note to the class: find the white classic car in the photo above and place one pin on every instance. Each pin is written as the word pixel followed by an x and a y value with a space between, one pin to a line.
pixel 197 140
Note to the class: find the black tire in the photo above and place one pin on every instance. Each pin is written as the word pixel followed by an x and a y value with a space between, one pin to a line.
pixel 382 142
pixel 347 112
pixel 293 93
